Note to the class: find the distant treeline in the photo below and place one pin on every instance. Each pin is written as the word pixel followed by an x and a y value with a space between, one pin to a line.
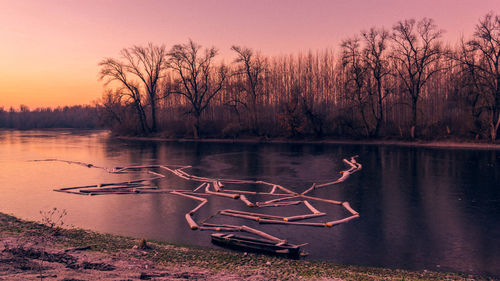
pixel 80 117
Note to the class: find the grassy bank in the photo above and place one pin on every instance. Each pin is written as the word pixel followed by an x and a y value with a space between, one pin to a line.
pixel 214 263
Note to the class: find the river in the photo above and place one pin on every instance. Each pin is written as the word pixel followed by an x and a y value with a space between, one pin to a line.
pixel 420 208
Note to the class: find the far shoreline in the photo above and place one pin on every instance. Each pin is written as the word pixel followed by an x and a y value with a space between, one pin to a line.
pixel 443 144
pixel 439 143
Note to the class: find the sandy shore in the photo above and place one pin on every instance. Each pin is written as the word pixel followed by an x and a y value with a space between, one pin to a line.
pixel 32 251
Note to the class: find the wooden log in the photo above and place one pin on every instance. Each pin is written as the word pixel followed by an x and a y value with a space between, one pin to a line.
pixel 191 222
pixel 199 187
pixel 198 207
pixel 322 200
pixel 286 190
pixel 310 189
pixel 253 214
pixel 254 218
pixel 222 225
pixel 216 186
pixel 222 194
pixel 333 223
pixel 69 191
pixel 310 207
pixel 154 191
pixel 262 234
pixel 188 196
pixel 303 217
pixel 181 176
pixel 316 224
pixel 166 168
pixel 246 201
pixel 348 208
pixel 192 193
pixel 241 191
pixel 279 204
pixel 183 173
pixel 279 199
pixel 349 163
pixel 263 182
pixel 213 228
pixel 157 174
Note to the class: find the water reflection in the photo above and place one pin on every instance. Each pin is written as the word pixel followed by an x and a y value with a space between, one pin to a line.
pixel 420 208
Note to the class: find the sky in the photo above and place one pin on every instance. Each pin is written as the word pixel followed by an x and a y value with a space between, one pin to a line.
pixel 50 49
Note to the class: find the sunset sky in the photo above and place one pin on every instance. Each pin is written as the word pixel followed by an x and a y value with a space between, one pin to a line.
pixel 49 50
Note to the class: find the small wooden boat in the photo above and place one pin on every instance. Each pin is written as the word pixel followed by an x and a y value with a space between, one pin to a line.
pixel 255 245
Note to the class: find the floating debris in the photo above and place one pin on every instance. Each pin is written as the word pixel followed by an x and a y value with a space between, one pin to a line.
pixel 217 187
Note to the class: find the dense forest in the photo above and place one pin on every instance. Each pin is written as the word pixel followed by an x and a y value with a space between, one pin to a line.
pixel 401 83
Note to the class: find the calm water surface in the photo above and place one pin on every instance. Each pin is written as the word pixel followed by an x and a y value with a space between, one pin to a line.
pixel 421 208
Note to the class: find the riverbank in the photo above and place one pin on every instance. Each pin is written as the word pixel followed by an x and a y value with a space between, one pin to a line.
pixel 445 144
pixel 29 250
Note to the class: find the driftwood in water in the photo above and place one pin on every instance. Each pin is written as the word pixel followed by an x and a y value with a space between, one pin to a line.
pixel 316 224
pixel 222 194
pixel 191 222
pixel 286 197
pixel 309 189
pixel 249 217
pixel 348 208
pixel 310 207
pixel 246 201
pixel 278 204
pixel 303 217
pixel 198 207
pixel 333 223
pixel 253 214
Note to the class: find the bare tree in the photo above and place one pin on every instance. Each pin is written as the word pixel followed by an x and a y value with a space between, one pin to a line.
pixel 480 57
pixel 355 84
pixel 375 57
pixel 138 74
pixel 252 66
pixel 199 81
pixel 416 54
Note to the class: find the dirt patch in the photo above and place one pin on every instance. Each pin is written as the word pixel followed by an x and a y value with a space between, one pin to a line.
pixel 22 260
